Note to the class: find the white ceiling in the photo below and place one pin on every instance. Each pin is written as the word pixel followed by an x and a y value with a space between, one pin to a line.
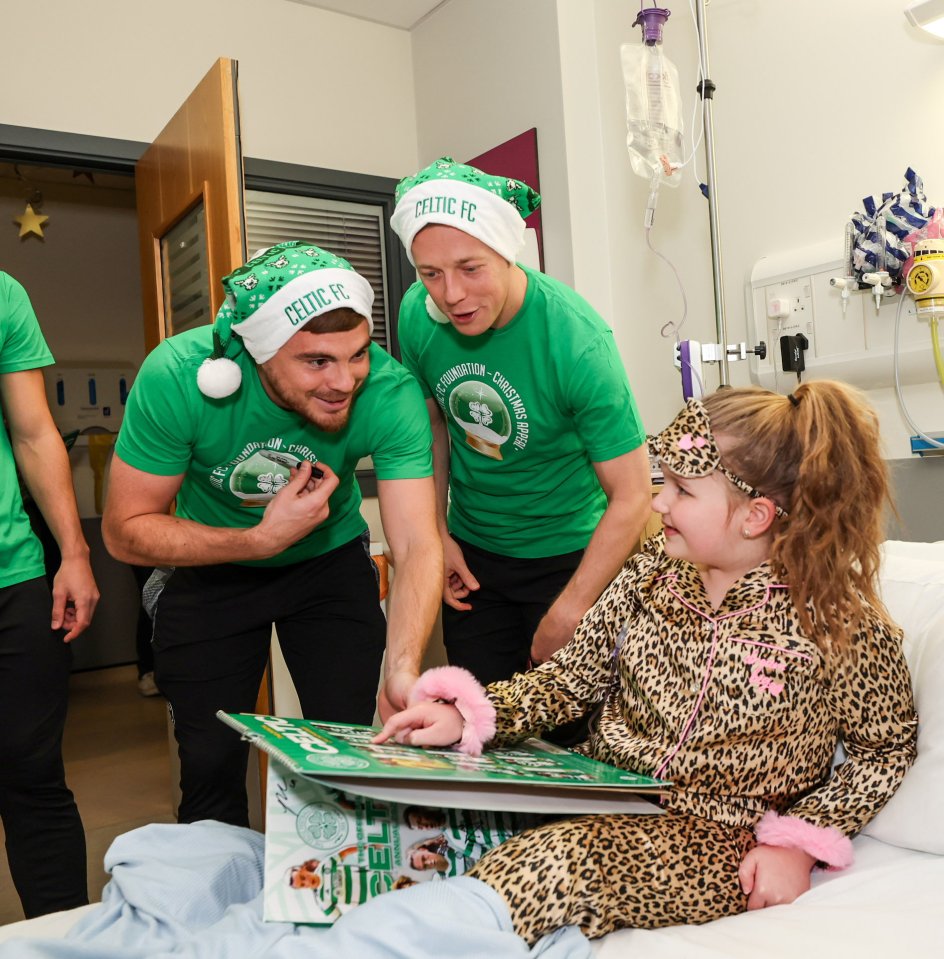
pixel 404 14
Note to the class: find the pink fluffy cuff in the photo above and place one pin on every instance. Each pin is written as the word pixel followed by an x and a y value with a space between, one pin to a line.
pixel 826 843
pixel 453 684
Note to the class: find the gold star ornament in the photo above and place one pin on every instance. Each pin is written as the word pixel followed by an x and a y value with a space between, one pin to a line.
pixel 31 222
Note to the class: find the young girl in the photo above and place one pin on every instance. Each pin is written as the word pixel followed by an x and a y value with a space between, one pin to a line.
pixel 728 657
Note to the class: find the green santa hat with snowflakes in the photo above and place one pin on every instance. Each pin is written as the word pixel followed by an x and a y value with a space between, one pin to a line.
pixel 490 208
pixel 270 299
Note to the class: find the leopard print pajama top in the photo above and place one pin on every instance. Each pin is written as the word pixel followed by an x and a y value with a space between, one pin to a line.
pixel 735 706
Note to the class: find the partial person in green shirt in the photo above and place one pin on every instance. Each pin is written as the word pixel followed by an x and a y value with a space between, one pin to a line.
pixel 255 426
pixel 45 840
pixel 538 446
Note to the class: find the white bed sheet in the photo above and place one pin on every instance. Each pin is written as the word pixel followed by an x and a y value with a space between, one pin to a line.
pixel 55 925
pixel 890 903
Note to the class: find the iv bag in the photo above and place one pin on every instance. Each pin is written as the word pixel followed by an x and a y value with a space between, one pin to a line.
pixel 654 122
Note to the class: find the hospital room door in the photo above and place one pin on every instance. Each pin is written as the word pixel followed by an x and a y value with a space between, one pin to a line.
pixel 189 186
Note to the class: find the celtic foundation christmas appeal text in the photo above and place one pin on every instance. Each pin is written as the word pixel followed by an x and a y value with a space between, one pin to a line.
pixel 489 410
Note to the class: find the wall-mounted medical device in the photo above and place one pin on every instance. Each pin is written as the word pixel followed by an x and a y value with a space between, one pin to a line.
pixel 925 279
pixel 89 399
pixel 88 396
pixel 849 329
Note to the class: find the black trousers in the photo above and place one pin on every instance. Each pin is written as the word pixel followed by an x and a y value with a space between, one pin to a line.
pixel 212 629
pixel 493 639
pixel 144 628
pixel 44 836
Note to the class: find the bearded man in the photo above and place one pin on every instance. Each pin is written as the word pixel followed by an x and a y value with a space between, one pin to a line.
pixel 254 427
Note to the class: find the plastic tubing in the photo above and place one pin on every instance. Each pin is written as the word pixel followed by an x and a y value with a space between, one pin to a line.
pixel 936 346
pixel 898 390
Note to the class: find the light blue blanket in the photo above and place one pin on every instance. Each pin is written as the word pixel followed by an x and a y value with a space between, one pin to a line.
pixel 195 892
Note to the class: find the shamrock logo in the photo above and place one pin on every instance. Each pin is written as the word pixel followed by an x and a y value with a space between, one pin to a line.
pixel 481 413
pixel 271 482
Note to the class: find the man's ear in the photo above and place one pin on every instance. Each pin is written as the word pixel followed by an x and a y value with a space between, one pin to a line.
pixel 760 516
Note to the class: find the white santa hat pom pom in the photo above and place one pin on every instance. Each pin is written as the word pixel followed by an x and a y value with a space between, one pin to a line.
pixel 435 313
pixel 218 378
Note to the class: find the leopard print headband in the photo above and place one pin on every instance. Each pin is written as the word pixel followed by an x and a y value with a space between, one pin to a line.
pixel 687 448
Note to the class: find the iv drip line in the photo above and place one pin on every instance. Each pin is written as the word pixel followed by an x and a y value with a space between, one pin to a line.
pixel 898 390
pixel 671 328
pixel 936 347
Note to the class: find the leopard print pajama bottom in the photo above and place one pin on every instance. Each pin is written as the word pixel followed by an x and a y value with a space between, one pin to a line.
pixel 611 871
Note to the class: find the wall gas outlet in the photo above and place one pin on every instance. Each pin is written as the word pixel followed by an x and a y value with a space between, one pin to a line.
pixel 854 344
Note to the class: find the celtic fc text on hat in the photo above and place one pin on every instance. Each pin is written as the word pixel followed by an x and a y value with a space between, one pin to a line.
pixel 271 298
pixel 490 208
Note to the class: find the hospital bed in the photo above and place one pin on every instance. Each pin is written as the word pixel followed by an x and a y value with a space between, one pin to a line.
pixel 889 902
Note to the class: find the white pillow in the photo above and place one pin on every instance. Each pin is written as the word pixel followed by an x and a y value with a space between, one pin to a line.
pixel 912 582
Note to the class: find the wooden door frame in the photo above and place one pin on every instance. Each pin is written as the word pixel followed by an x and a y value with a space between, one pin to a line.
pixel 194 163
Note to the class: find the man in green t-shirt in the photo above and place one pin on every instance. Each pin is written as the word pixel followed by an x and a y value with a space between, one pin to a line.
pixel 255 427
pixel 536 434
pixel 44 836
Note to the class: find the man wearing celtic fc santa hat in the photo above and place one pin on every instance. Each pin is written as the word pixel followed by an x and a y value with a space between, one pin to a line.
pixel 546 469
pixel 253 427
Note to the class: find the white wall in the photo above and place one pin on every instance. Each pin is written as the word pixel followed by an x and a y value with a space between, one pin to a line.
pixel 818 105
pixel 815 164
pixel 316 88
pixel 487 70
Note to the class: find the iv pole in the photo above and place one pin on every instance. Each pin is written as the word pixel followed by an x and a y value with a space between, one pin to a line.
pixel 706 89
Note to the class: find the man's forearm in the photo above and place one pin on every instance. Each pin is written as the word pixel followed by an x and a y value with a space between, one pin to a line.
pixel 139 528
pixel 412 606
pixel 44 463
pixel 441 454
pixel 164 540
pixel 625 480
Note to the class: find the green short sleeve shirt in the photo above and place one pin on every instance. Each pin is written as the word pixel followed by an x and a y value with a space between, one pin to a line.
pixel 233 452
pixel 530 407
pixel 22 347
